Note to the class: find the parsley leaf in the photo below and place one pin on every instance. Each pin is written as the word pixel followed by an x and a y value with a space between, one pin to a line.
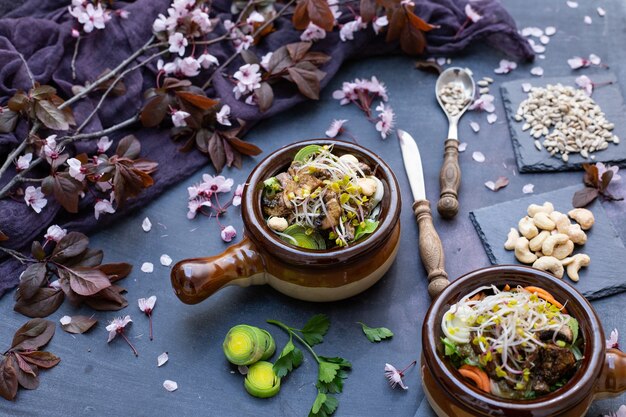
pixel 324 405
pixel 331 373
pixel 376 334
pixel 314 330
pixel 290 358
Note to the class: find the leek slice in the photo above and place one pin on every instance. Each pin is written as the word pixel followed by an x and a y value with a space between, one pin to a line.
pixel 304 153
pixel 245 345
pixel 302 239
pixel 261 380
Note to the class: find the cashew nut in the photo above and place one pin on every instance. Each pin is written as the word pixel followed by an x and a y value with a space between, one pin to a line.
pixel 576 234
pixel 544 222
pixel 564 250
pixel 550 264
pixel 511 239
pixel 583 217
pixel 547 208
pixel 547 247
pixel 560 220
pixel 277 223
pixel 522 252
pixel 527 227
pixel 537 241
pixel 574 264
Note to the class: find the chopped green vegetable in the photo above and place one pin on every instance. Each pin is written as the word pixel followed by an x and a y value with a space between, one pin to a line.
pixel 376 334
pixel 297 235
pixel 245 345
pixel 573 324
pixel 449 347
pixel 307 151
pixel 261 381
pixel 365 228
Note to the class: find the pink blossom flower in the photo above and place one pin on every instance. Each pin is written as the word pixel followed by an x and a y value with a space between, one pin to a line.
pixel 216 184
pixel 585 83
pixel 346 94
pixel 90 17
pixel 23 162
pixel 195 205
pixel 228 233
pixel 376 87
pixel 484 102
pixel 603 168
pixel 75 33
pixel 348 29
pixel 312 33
pixel 206 60
pixel 472 14
pixel 178 118
pixel 335 127
pixel 104 143
pixel 116 327
pixel 265 60
pixel 394 376
pixel 612 342
pixel 162 23
pixel 621 412
pixel 50 147
pixel 203 21
pixel 222 115
pixel 242 43
pixel 35 198
pixel 255 17
pixel 55 233
pixel 147 305
pixel 122 13
pixel 238 195
pixel 76 169
pixel 248 79
pixel 385 120
pixel 177 42
pixel 189 66
pixel 578 62
pixel 103 206
pixel 505 67
pixel 379 22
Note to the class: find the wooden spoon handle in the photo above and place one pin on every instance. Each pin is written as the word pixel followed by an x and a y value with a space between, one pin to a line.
pixel 431 250
pixel 449 180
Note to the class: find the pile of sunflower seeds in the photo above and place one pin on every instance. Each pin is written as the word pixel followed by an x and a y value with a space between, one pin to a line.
pixel 453 97
pixel 577 122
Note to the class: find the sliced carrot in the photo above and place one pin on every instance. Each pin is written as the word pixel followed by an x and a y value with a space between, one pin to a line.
pixel 477 376
pixel 541 293
pixel 507 287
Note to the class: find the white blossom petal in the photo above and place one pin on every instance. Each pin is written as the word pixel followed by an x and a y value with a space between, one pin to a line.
pixel 146 225
pixel 587 20
pixel 65 320
pixel 475 127
pixel 165 260
pixel 478 157
pixel 528 188
pixel 572 4
pixel 544 39
pixel 526 87
pixel 491 118
pixel 601 11
pixel 147 267
pixel 537 71
pixel 462 146
pixel 550 30
pixel 170 385
pixel 162 359
pixel 491 185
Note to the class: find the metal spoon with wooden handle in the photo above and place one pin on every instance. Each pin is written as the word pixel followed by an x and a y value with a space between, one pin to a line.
pixel 431 250
pixel 450 175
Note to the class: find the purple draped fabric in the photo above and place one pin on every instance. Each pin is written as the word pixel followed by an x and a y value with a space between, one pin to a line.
pixel 41 31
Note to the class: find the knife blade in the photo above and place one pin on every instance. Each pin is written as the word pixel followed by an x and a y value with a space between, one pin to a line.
pixel 430 247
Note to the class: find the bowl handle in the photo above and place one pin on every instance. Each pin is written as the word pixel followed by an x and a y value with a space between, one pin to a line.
pixel 612 380
pixel 196 279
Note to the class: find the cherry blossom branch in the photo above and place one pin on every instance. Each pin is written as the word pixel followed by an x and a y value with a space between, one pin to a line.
pixel 15 254
pixel 74 55
pixel 212 41
pixel 30 74
pixel 113 84
pixel 19 177
pixel 254 35
pixel 17 151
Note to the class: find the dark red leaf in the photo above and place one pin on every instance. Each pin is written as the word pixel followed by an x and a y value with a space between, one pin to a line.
pixel 8 379
pixel 197 100
pixel 300 19
pixel 279 61
pixel 417 22
pixel 37 250
pixel 216 152
pixel 145 165
pixel 79 324
pixel 174 83
pixel 154 111
pixel 264 96
pixel 108 299
pixel 43 92
pixel 51 116
pixel 202 138
pixel 8 120
pixel 249 57
pixel 32 279
pixel 45 302
pixel 23 365
pixel 584 197
pixel 428 66
pixel 316 58
pixel 307 82
pixel 245 148
pixel 33 334
pixel 592 176
pixel 65 189
pixel 18 102
pixel 26 380
pixel 297 50
pixel 116 271
pixel 397 22
pixel 89 258
pixel 67 111
pixel 129 147
pixel 44 360
pixel 87 281
pixel 607 176
pixel 320 14
pixel 72 244
pixel 412 41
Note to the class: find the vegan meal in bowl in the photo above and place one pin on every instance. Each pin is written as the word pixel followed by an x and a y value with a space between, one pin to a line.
pixel 323 200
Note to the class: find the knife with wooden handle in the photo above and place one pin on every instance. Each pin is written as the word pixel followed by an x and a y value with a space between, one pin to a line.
pixel 431 249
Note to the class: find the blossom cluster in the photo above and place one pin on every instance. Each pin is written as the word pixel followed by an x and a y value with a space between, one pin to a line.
pixel 92 15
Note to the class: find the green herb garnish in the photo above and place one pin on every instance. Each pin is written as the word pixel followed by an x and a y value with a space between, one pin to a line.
pixel 376 334
pixel 331 371
pixel 365 228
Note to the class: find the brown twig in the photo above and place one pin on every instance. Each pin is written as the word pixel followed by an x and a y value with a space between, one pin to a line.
pixel 74 55
pixel 17 151
pixel 21 258
pixel 30 74
pixel 254 35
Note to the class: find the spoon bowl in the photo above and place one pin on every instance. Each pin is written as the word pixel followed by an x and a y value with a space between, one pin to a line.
pixel 450 174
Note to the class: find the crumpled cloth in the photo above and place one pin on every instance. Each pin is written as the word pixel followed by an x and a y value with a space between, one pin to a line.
pixel 41 31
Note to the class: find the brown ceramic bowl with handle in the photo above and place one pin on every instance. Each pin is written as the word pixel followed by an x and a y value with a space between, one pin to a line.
pixel 312 275
pixel 602 374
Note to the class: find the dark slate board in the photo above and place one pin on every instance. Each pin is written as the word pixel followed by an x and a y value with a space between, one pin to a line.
pixel 529 159
pixel 603 277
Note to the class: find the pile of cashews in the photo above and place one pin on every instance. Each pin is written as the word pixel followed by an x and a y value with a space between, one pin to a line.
pixel 545 238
